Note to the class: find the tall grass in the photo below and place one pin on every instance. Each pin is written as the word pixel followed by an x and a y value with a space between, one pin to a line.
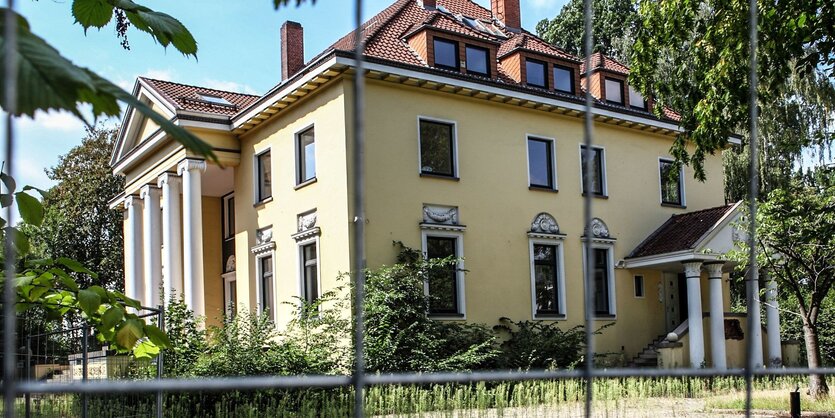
pixel 410 399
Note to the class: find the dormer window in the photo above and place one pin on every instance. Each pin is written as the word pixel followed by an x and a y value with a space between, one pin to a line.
pixel 446 54
pixel 636 99
pixel 614 91
pixel 477 60
pixel 563 79
pixel 535 72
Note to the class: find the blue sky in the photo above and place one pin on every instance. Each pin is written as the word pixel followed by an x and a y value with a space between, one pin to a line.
pixel 238 50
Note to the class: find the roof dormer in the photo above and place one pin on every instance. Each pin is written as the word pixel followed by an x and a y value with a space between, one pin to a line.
pixel 608 81
pixel 533 63
pixel 451 51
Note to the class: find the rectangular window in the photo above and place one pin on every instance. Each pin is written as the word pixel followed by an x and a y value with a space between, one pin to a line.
pixel 443 282
pixel 601 282
pixel 563 79
pixel 228 210
pixel 265 176
pixel 546 279
pixel 266 283
pixel 306 157
pixel 477 60
pixel 446 54
pixel 597 171
pixel 310 270
pixel 535 71
pixel 614 91
pixel 671 190
pixel 636 99
pixel 639 286
pixel 437 148
pixel 231 292
pixel 541 163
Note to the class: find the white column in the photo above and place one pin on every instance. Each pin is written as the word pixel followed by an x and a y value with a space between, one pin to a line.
pixel 772 315
pixel 134 278
pixel 756 321
pixel 717 316
pixel 172 236
pixel 152 244
pixel 692 270
pixel 191 171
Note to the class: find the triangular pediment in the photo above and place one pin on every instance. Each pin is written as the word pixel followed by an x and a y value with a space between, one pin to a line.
pixel 137 128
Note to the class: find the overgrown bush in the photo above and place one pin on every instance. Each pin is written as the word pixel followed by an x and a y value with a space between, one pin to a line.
pixel 399 336
pixel 188 339
pixel 320 335
pixel 540 345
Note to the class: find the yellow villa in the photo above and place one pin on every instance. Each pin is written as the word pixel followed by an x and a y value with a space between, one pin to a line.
pixel 474 129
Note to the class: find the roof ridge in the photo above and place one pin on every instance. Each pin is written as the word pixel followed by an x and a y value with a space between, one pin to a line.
pixel 695 212
pixel 199 87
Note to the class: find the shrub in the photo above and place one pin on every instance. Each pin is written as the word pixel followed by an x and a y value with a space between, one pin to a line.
pixel 398 334
pixel 188 339
pixel 540 345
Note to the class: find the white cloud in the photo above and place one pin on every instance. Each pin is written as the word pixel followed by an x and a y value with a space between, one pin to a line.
pixel 160 74
pixel 228 86
pixel 62 122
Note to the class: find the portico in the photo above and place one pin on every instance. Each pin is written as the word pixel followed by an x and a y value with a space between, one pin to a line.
pixel 689 251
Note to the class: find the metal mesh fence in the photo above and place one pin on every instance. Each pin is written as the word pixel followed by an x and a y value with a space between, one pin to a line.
pixel 354 394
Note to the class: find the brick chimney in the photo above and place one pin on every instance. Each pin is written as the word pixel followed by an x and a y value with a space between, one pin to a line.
pixel 429 4
pixel 292 49
pixel 508 12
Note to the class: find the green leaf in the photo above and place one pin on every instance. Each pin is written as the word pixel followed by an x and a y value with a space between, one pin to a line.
pixel 30 209
pixel 157 336
pixel 99 291
pixel 9 182
pixel 75 266
pixel 47 80
pixel 145 349
pixel 129 333
pixel 133 303
pixel 164 28
pixel 92 13
pixel 44 194
pixel 64 278
pixel 20 240
pixel 6 200
pixel 112 316
pixel 89 301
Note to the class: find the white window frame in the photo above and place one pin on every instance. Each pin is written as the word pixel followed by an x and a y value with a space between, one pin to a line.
pixel 455 171
pixel 230 280
pixel 554 175
pixel 610 247
pixel 680 183
pixel 562 311
pixel 643 286
pixel 603 172
pixel 300 265
pixel 256 176
pixel 296 137
pixel 621 84
pixel 459 271
pixel 258 283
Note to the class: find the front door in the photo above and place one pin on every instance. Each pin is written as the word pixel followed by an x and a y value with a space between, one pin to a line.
pixel 675 302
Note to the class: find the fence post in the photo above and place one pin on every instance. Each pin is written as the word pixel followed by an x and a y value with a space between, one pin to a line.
pixel 84 358
pixel 794 401
pixel 27 396
pixel 161 325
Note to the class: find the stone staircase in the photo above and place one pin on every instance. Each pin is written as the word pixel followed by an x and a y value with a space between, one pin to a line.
pixel 648 357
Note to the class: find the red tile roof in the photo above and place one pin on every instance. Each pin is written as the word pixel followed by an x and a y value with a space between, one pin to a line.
pixel 526 40
pixel 598 60
pixel 186 97
pixel 680 232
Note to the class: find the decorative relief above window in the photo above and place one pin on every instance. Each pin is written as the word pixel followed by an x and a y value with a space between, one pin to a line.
pixel 599 231
pixel 306 226
pixel 544 223
pixel 230 264
pixel 263 240
pixel 441 217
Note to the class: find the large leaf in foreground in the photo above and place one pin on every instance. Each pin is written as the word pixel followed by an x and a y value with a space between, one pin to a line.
pixel 48 81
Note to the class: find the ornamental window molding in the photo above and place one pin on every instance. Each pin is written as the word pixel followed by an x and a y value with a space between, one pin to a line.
pixel 441 218
pixel 544 225
pixel 306 226
pixel 599 232
pixel 263 241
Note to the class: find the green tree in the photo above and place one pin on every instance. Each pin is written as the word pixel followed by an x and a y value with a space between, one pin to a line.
pixel 615 23
pixel 692 56
pixel 796 244
pixel 78 222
